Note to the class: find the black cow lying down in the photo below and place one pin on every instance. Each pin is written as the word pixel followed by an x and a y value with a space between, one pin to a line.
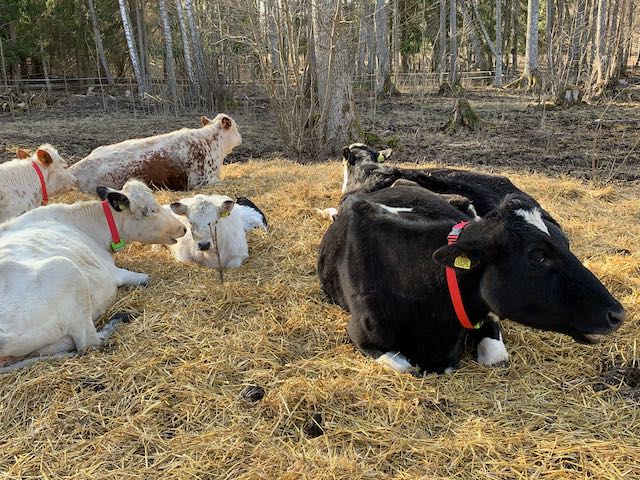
pixel 363 172
pixel 384 259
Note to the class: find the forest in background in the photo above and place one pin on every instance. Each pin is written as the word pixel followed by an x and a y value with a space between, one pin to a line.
pixel 311 58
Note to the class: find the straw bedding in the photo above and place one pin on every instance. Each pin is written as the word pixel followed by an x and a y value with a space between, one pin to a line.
pixel 163 398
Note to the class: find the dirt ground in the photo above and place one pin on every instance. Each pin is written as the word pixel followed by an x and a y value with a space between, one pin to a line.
pixel 590 142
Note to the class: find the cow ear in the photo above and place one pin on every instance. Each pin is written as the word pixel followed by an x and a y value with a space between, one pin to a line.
pixel 384 155
pixel 345 153
pixel 116 199
pixel 204 121
pixel 458 256
pixel 226 123
pixel 44 156
pixel 22 154
pixel 225 208
pixel 178 208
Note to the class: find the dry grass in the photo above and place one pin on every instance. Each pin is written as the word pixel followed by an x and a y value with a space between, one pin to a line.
pixel 162 400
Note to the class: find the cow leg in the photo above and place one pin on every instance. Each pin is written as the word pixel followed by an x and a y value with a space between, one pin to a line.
pixel 124 277
pixel 377 344
pixel 236 262
pixel 490 347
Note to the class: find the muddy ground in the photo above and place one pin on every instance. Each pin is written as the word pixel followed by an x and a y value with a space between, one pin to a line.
pixel 590 142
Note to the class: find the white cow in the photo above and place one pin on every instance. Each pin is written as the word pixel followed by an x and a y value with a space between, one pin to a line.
pixel 21 188
pixel 57 275
pixel 216 228
pixel 180 160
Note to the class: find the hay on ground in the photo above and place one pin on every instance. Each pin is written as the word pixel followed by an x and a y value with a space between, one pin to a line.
pixel 163 399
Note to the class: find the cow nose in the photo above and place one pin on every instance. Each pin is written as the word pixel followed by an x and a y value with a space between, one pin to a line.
pixel 615 318
pixel 204 245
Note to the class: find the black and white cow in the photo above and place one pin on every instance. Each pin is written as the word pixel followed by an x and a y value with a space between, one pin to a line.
pixel 384 260
pixel 363 172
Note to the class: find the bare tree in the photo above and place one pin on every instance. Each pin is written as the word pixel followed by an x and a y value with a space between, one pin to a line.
pixel 383 78
pixel 197 47
pixel 442 42
pixel 98 40
pixel 338 118
pixel 131 44
pixel 169 62
pixel 599 68
pixel 453 43
pixel 498 77
pixel 186 48
pixel 531 74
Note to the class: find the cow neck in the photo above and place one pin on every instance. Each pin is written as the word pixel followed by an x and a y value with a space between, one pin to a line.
pixel 116 243
pixel 43 184
pixel 452 282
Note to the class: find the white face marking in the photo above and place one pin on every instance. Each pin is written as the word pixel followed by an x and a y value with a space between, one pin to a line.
pixel 491 352
pixel 396 361
pixel 345 177
pixel 396 210
pixel 534 218
pixel 356 145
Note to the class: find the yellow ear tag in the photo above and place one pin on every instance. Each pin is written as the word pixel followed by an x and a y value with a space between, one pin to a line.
pixel 224 214
pixel 381 158
pixel 462 262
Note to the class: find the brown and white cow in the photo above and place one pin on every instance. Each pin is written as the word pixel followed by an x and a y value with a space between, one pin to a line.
pixel 28 181
pixel 180 160
pixel 57 271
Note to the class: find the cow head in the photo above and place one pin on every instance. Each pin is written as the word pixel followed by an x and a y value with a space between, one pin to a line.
pixel 204 212
pixel 529 275
pixel 229 137
pixel 358 154
pixel 140 217
pixel 59 179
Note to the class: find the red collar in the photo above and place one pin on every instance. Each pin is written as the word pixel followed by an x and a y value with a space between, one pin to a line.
pixel 43 185
pixel 452 281
pixel 116 244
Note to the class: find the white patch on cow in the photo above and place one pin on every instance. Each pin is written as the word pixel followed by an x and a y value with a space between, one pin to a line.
pixel 395 360
pixel 471 210
pixel 491 352
pixel 534 218
pixel 345 177
pixel 357 145
pixel 396 210
pixel 328 213
pixel 250 218
pixel 449 370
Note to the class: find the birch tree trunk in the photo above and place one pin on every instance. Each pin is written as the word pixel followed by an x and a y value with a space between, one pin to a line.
pixel 141 52
pixel 169 62
pixel 575 47
pixel 442 30
pixel 453 43
pixel 370 37
pixel 531 74
pixel 186 49
pixel 98 39
pixel 598 76
pixel 498 77
pixel 131 44
pixel 338 118
pixel 549 35
pixel 197 47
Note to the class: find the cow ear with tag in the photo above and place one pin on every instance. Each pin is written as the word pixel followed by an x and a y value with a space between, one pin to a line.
pixel 225 208
pixel 383 155
pixel 458 257
pixel 117 200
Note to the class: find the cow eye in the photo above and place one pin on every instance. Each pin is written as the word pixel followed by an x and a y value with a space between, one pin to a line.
pixel 537 257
